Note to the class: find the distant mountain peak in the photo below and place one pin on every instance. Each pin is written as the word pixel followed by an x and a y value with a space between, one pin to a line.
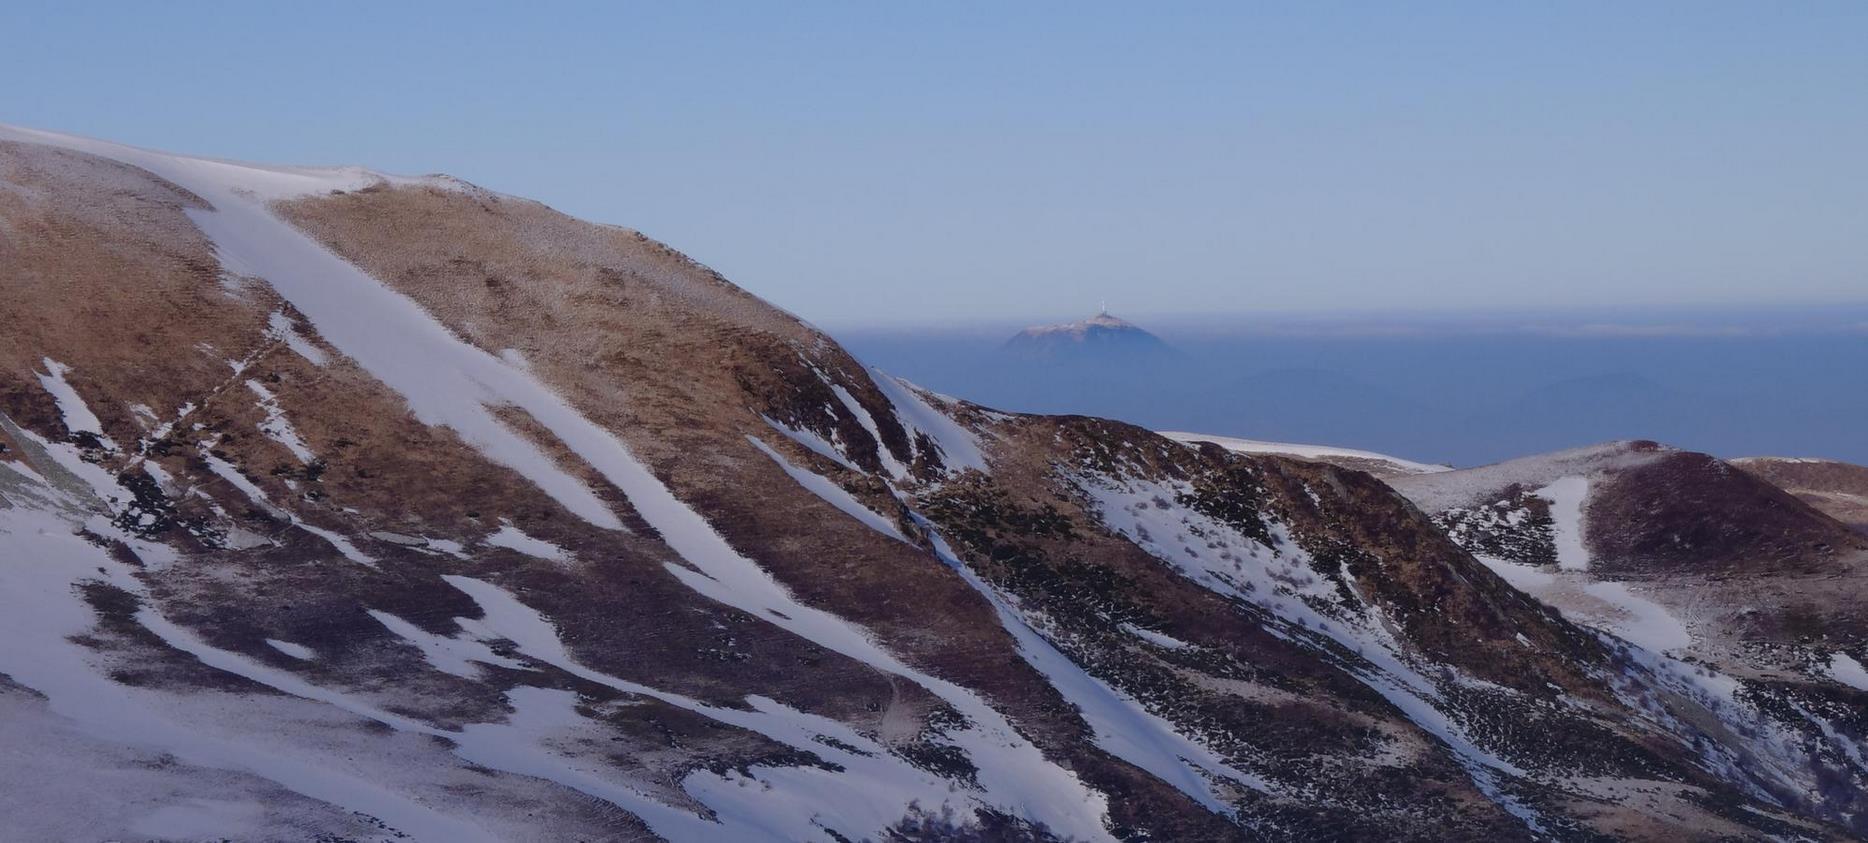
pixel 1102 333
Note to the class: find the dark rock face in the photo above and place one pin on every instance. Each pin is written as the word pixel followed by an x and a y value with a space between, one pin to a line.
pixel 731 584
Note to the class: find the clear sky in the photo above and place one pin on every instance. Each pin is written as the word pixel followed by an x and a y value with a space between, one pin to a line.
pixel 895 162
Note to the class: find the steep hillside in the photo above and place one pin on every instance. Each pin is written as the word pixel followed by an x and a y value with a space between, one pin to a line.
pixel 1683 555
pixel 1717 545
pixel 1837 489
pixel 346 506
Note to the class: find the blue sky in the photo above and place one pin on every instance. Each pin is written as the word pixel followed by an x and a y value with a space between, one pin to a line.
pixel 887 163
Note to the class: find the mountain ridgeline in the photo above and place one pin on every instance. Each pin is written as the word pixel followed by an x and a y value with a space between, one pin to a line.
pixel 345 506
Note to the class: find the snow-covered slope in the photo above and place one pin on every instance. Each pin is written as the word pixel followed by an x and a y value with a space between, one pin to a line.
pixel 346 506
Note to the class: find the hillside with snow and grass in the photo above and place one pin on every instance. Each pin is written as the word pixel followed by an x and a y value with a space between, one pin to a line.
pixel 345 506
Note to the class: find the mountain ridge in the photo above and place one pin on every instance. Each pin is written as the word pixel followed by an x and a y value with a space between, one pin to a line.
pixel 392 507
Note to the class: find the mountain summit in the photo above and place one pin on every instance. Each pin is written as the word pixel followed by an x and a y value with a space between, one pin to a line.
pixel 1099 335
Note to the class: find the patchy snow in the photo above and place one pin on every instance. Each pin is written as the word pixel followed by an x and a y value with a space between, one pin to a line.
pixel 1122 726
pixel 1641 621
pixel 1281 579
pixel 1612 607
pixel 1254 446
pixel 1789 460
pixel 815 443
pixel 447 546
pixel 282 328
pixel 831 493
pixel 70 474
pixel 1159 639
pixel 398 539
pixel 1011 769
pixel 459 655
pixel 297 651
pixel 162 430
pixel 226 471
pixel 892 466
pixel 779 803
pixel 1845 669
pixel 70 785
pixel 1529 579
pixel 513 538
pixel 40 615
pixel 1770 753
pixel 1659 684
pixel 1567 496
pixel 76 414
pixel 543 717
pixel 276 426
pixel 164 480
pixel 1470 487
pixel 446 381
pixel 959 448
pixel 143 415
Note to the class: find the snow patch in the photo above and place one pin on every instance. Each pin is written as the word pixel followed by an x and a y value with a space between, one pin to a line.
pixel 1845 669
pixel 513 538
pixel 297 651
pixel 1642 622
pixel 1159 639
pixel 226 471
pixel 889 464
pixel 277 427
pixel 1313 452
pixel 959 448
pixel 459 655
pixel 1566 496
pixel 815 443
pixel 281 327
pixel 76 414
pixel 831 493
pixel 1611 607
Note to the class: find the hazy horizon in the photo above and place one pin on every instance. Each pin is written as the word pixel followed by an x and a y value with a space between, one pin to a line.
pixel 1840 317
pixel 1463 391
pixel 892 164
